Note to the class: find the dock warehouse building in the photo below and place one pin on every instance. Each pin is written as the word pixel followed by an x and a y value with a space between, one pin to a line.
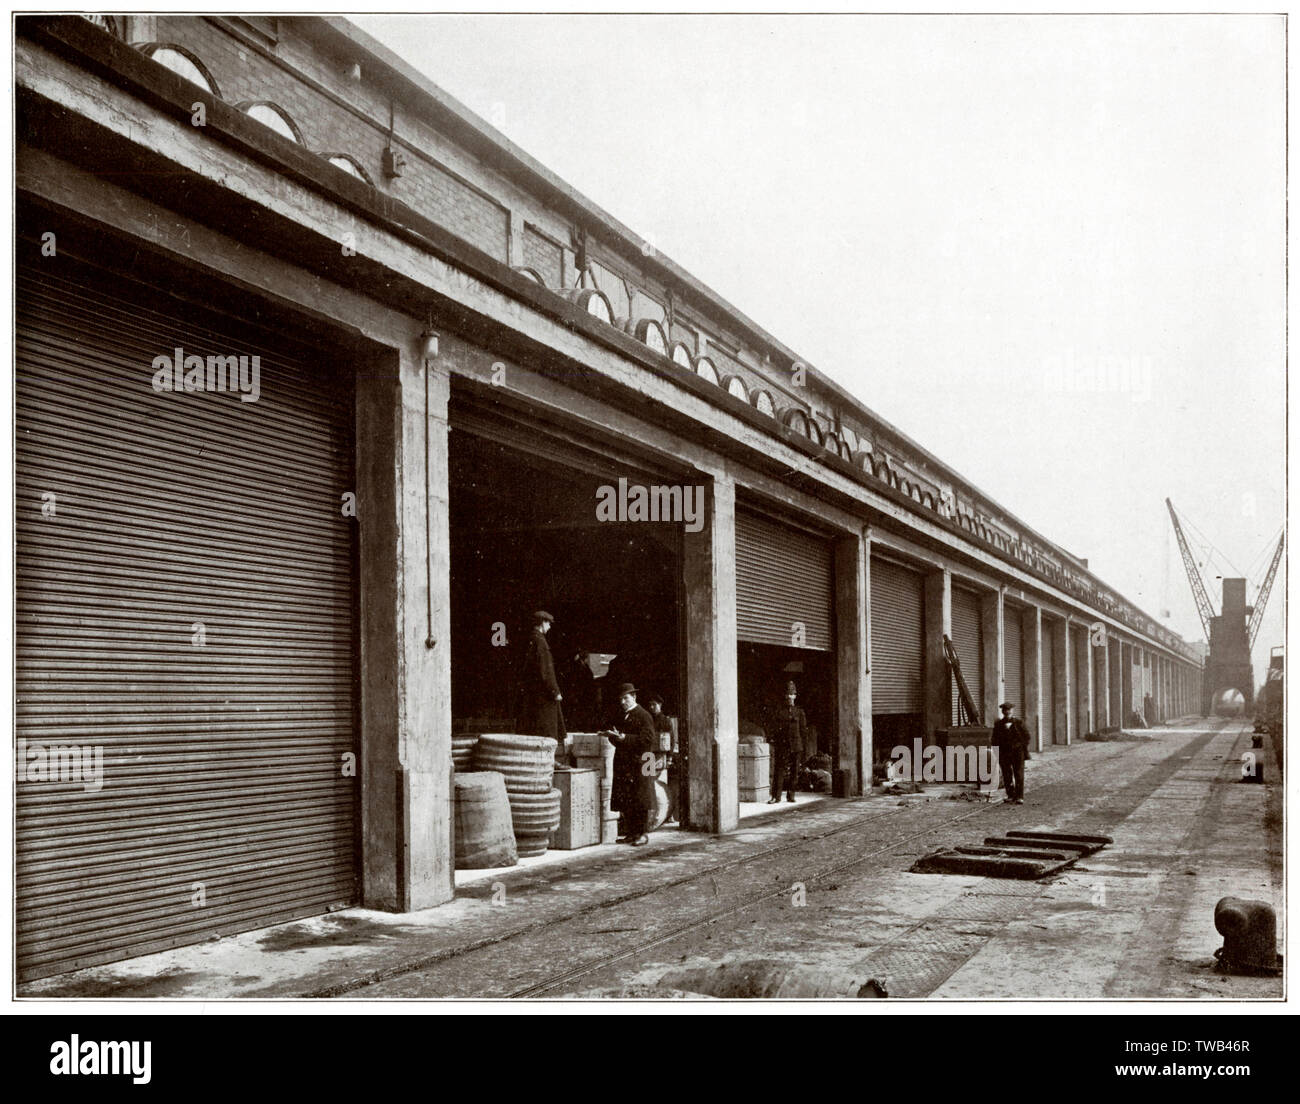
pixel 319 383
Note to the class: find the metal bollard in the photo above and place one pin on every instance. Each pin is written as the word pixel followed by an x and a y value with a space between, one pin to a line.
pixel 1249 930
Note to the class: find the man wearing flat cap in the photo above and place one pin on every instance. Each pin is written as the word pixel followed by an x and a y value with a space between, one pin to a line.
pixel 540 711
pixel 1011 738
pixel 635 754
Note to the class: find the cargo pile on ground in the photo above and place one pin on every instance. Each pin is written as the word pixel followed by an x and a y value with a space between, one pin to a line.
pixel 527 763
pixel 506 807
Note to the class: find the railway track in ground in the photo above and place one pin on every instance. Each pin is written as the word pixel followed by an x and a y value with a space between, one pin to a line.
pixel 1061 773
pixel 566 978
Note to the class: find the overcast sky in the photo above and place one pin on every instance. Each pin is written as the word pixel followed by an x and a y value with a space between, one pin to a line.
pixel 1050 249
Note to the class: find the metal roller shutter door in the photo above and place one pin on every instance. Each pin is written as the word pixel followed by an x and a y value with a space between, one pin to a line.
pixel 897 638
pixel 224 804
pixel 1048 677
pixel 1012 658
pixel 1085 719
pixel 968 643
pixel 783 581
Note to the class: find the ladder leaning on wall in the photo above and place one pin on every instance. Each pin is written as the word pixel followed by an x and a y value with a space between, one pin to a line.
pixel 967 711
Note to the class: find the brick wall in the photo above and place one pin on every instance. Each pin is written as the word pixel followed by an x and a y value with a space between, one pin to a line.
pixel 243 73
pixel 544 256
pixel 441 180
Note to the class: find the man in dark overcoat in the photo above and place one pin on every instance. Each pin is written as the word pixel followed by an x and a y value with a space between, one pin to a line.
pixel 540 697
pixel 1011 738
pixel 635 752
pixel 786 730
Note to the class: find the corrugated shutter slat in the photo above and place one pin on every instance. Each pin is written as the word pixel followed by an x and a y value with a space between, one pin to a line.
pixel 222 761
pixel 783 578
pixel 897 638
pixel 1013 658
pixel 1049 682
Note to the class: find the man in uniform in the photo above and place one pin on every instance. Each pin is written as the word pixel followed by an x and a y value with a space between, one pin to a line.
pixel 786 733
pixel 1011 738
pixel 540 711
pixel 635 744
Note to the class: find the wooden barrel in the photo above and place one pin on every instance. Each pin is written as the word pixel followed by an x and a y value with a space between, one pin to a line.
pixel 527 762
pixel 484 830
pixel 754 766
pixel 533 818
pixel 462 751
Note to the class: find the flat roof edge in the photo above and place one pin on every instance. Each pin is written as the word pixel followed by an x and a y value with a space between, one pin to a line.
pixel 516 158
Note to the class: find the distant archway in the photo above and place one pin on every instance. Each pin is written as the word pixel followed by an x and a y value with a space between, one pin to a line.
pixel 1229 703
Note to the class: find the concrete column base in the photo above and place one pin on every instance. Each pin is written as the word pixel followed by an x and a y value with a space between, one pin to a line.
pixel 937 685
pixel 402 504
pixel 992 610
pixel 853 688
pixel 712 712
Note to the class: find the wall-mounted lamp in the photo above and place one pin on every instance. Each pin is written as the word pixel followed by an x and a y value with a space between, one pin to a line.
pixel 429 344
pixel 354 71
pixel 393 163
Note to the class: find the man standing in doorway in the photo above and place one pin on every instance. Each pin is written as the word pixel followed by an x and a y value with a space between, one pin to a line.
pixel 668 753
pixel 788 727
pixel 1011 738
pixel 541 714
pixel 633 793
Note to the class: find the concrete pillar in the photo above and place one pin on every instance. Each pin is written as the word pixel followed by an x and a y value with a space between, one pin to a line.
pixel 991 609
pixel 712 711
pixel 1063 681
pixel 405 569
pixel 853 651
pixel 938 624
pixel 1031 634
pixel 1126 654
pixel 1115 666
